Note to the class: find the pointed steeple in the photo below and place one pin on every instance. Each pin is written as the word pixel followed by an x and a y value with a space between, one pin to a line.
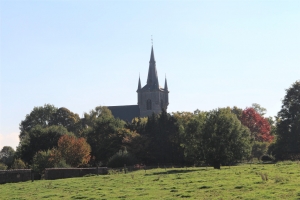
pixel 152 59
pixel 139 85
pixel 152 73
pixel 166 84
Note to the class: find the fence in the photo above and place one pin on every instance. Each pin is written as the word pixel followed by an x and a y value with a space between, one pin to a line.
pixel 13 176
pixel 58 173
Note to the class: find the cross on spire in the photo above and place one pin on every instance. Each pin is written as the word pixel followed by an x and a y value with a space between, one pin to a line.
pixel 151 40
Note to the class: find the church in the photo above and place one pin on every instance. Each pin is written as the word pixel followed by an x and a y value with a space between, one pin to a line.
pixel 150 99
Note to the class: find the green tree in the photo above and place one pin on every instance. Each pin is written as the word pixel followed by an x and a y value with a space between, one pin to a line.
pixel 164 142
pixel 69 120
pixel 3 166
pixel 288 125
pixel 237 111
pixel 191 130
pixel 42 116
pixel 7 154
pixel 39 139
pixel 260 110
pixel 18 164
pixel 226 140
pixel 90 118
pixel 103 133
pixel 41 160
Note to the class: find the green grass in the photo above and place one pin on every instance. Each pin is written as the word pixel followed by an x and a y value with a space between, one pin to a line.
pixel 280 181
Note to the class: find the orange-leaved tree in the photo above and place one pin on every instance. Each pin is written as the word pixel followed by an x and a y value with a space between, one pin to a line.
pixel 259 126
pixel 75 151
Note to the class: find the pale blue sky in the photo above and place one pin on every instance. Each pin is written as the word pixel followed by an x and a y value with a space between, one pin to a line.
pixel 82 54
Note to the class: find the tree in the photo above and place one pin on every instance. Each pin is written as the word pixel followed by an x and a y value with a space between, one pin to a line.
pixel 102 133
pixel 163 135
pixel 288 125
pixel 76 151
pixel 237 111
pixel 226 140
pixel 48 115
pixel 69 120
pixel 41 160
pixel 190 133
pixel 39 139
pixel 42 116
pixel 18 164
pixel 90 118
pixel 260 110
pixel 7 155
pixel 258 125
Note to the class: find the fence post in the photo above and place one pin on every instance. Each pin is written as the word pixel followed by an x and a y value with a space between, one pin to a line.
pixel 125 168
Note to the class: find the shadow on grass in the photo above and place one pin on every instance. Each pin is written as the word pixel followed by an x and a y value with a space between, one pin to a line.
pixel 175 171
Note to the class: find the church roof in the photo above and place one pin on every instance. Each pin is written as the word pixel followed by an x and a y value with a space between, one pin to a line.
pixel 126 113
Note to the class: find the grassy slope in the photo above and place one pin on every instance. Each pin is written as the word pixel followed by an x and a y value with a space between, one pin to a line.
pixel 239 182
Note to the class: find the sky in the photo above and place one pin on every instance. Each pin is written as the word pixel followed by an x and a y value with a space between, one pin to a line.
pixel 82 54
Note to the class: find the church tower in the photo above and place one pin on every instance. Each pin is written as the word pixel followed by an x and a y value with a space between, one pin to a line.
pixel 152 98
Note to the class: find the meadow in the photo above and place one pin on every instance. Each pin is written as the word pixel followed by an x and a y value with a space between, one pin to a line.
pixel 259 181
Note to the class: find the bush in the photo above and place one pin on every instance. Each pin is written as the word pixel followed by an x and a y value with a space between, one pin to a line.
pixel 62 164
pixel 41 161
pixel 266 158
pixel 259 149
pixel 3 166
pixel 18 164
pixel 121 158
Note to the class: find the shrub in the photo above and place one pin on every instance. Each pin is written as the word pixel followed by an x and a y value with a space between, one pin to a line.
pixel 41 161
pixel 259 149
pixel 121 158
pixel 18 164
pixel 3 166
pixel 62 164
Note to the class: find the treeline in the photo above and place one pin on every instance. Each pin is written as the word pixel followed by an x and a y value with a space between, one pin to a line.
pixel 57 137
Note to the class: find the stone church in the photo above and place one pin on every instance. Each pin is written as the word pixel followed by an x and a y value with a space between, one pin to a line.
pixel 150 99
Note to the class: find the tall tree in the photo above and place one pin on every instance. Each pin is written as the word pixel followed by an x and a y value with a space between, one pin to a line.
pixel 288 125
pixel 164 144
pixel 260 110
pixel 190 132
pixel 42 116
pixel 71 121
pixel 225 139
pixel 258 125
pixel 103 133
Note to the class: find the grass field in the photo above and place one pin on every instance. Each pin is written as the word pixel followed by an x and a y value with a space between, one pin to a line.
pixel 260 181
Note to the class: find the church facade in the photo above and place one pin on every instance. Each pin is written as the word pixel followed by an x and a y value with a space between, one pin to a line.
pixel 151 98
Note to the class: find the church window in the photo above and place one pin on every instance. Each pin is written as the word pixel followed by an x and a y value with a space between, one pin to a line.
pixel 162 104
pixel 149 104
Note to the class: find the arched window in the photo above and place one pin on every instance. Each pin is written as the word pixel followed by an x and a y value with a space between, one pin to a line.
pixel 149 104
pixel 162 104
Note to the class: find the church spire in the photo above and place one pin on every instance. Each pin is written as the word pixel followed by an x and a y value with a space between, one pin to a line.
pixel 152 59
pixel 166 85
pixel 139 85
pixel 152 73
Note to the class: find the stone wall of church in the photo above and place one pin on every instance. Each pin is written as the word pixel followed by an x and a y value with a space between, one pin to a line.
pixel 158 101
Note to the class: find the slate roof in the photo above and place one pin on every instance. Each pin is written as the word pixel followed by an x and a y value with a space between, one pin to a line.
pixel 126 113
